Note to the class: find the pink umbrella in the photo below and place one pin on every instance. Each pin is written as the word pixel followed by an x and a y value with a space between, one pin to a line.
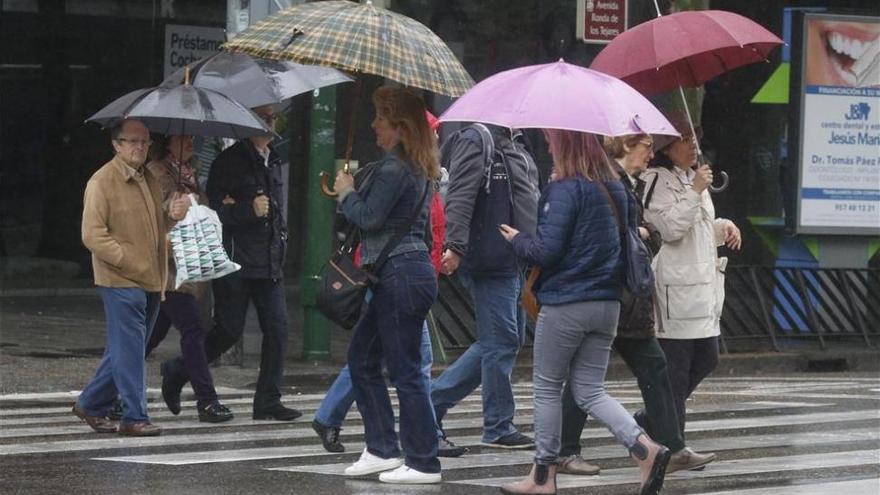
pixel 559 96
pixel 684 49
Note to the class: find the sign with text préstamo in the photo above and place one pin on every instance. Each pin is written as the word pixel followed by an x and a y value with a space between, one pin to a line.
pixel 599 21
pixel 839 172
pixel 186 44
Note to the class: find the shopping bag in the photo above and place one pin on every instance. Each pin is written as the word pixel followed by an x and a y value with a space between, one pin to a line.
pixel 197 246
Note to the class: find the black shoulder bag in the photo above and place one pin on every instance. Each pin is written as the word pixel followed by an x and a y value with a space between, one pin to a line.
pixel 639 277
pixel 342 286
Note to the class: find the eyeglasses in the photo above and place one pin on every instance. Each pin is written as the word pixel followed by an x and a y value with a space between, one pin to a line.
pixel 268 118
pixel 136 142
pixel 647 143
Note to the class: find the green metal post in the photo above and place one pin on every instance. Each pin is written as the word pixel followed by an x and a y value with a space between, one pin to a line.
pixel 320 211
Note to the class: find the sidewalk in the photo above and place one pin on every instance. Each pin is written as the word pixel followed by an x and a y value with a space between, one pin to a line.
pixel 53 342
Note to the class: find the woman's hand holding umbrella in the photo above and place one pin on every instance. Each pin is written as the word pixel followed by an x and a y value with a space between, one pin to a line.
pixel 343 184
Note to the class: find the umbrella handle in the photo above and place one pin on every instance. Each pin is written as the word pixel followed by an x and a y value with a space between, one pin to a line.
pixel 725 181
pixel 325 187
pixel 325 181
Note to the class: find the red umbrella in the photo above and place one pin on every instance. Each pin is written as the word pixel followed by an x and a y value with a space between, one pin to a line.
pixel 684 49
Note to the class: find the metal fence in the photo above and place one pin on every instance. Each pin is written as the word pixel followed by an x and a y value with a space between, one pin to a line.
pixel 764 307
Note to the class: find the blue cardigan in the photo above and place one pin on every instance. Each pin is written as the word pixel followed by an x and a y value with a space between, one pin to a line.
pixel 577 243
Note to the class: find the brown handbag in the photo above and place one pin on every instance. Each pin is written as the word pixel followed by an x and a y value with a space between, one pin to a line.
pixel 529 301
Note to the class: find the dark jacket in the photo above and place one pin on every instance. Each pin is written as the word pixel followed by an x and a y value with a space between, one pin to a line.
pixel 384 204
pixel 466 163
pixel 257 244
pixel 637 313
pixel 577 244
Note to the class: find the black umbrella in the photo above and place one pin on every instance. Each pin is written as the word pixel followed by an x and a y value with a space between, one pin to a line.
pixel 183 110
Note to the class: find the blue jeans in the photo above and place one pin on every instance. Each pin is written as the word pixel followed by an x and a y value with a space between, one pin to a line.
pixel 131 314
pixel 391 331
pixel 339 398
pixel 488 361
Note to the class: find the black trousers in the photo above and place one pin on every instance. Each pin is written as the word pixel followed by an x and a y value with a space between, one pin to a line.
pixel 232 294
pixel 690 361
pixel 646 360
pixel 182 311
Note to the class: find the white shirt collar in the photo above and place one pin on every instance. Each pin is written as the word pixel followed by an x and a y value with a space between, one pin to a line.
pixel 686 176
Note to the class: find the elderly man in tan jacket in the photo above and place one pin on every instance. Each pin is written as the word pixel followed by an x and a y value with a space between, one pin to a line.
pixel 124 227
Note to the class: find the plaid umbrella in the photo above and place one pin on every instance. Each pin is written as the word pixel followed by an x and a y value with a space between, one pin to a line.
pixel 357 38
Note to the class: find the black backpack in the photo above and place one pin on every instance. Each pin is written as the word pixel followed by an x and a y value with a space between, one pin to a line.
pixel 488 252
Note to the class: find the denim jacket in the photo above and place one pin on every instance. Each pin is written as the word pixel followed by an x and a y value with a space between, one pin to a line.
pixel 384 204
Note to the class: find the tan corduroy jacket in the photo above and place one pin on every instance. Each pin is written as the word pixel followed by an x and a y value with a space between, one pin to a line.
pixel 124 227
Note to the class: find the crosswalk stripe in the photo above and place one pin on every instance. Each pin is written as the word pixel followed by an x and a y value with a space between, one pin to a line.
pixel 738 467
pixel 163 415
pixel 447 464
pixel 594 453
pixel 155 403
pixel 869 486
pixel 246 422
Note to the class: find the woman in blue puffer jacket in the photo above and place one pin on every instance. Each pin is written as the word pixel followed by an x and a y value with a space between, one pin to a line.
pixel 578 248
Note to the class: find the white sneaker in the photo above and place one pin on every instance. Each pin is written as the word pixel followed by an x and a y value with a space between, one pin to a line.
pixel 409 476
pixel 369 464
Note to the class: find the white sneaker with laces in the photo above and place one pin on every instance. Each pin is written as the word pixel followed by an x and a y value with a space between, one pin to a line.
pixel 369 464
pixel 408 476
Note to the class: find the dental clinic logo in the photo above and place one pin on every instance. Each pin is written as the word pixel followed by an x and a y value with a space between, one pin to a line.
pixel 858 111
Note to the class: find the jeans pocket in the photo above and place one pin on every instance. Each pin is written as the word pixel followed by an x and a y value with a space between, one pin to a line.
pixel 419 293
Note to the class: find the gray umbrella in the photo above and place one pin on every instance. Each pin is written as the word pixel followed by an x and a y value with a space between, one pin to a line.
pixel 184 110
pixel 255 81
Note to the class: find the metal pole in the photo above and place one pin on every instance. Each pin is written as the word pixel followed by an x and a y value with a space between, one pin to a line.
pixel 319 221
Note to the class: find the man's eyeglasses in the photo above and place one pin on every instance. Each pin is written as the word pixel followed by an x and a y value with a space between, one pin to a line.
pixel 136 142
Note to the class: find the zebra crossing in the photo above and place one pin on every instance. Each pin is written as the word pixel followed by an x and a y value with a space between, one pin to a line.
pixel 780 435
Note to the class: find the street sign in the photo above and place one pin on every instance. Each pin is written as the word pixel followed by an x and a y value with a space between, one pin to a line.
pixel 186 44
pixel 599 21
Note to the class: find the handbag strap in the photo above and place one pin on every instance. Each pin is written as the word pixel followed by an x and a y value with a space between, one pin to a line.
pixel 398 236
pixel 613 206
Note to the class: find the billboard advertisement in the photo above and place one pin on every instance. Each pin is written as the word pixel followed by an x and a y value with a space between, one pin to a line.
pixel 839 172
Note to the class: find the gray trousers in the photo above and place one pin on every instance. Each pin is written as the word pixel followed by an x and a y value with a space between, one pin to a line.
pixel 573 343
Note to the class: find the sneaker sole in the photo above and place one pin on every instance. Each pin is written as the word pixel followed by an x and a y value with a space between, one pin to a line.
pixel 421 480
pixel 528 446
pixel 376 468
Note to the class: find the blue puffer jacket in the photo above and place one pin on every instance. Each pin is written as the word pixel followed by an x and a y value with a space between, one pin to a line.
pixel 577 244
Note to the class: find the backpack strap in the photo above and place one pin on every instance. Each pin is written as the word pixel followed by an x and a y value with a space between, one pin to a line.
pixel 488 151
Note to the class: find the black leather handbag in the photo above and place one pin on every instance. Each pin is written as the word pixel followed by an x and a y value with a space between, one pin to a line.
pixel 639 277
pixel 342 286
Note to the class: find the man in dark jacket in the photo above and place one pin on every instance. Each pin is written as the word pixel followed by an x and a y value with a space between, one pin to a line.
pixel 637 344
pixel 492 180
pixel 245 187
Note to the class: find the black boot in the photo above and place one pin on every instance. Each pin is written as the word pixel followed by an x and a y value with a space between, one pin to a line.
pixel 172 385
pixel 329 436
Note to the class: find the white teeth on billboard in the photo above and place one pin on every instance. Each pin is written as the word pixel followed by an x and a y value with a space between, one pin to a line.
pixel 846 75
pixel 850 47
